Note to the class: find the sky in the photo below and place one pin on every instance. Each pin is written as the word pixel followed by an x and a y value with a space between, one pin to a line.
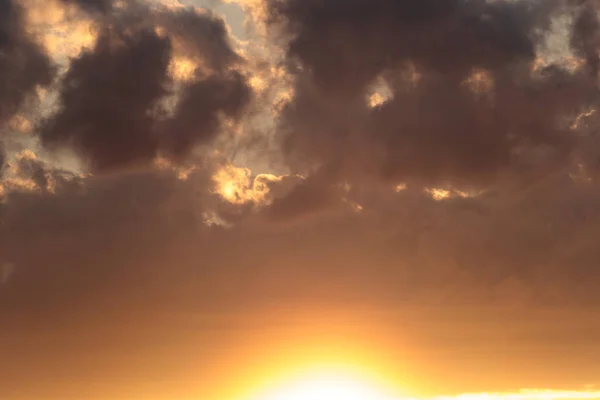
pixel 200 197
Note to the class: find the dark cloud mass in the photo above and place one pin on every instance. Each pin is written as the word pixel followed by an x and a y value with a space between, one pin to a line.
pixel 108 97
pixel 23 63
pixel 450 37
pixel 465 102
pixel 111 96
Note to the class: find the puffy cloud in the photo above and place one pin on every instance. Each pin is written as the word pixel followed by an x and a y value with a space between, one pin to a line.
pixel 111 97
pixel 63 30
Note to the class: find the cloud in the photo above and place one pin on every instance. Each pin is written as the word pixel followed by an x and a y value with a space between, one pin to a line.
pixel 107 99
pixel 111 97
pixel 2 159
pixel 95 6
pixel 464 105
pixel 63 30
pixel 238 186
pixel 480 138
pixel 304 199
pixel 586 34
pixel 23 65
pixel 202 36
pixel 202 106
pixel 460 36
pixel 468 138
pixel 215 93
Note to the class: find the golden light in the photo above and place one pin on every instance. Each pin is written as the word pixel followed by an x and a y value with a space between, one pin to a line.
pixel 440 194
pixel 239 186
pixel 327 386
pixel 182 68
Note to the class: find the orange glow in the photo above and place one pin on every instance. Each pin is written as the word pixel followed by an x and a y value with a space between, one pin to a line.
pixel 326 386
pixel 332 358
pixel 238 186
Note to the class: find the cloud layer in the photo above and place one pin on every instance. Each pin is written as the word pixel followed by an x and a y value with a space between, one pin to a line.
pixel 465 105
pixel 411 155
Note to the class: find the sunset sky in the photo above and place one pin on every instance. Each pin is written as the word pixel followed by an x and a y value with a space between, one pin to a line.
pixel 295 199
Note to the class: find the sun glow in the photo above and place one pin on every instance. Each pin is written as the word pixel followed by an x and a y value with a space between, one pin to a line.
pixel 326 386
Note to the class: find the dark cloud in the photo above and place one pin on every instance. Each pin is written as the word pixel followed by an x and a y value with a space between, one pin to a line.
pixel 108 97
pixel 442 133
pixel 345 45
pixel 201 108
pixel 217 91
pixel 111 110
pixel 23 63
pixel 202 36
pixel 99 6
pixel 465 106
pixel 300 200
pixel 586 34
